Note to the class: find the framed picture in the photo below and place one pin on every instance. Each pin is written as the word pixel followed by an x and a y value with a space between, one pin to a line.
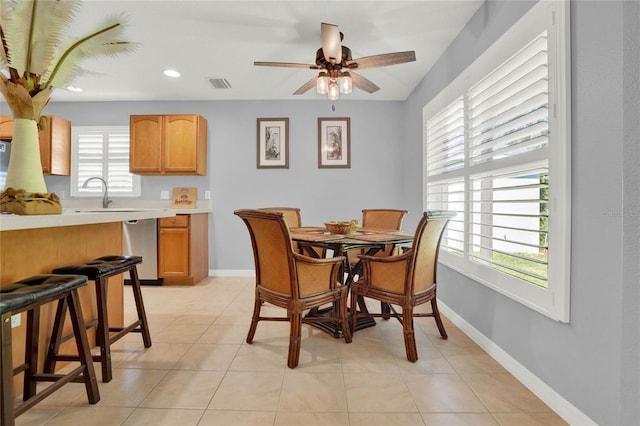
pixel 334 143
pixel 273 143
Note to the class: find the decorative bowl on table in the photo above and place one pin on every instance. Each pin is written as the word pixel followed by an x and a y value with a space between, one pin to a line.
pixel 342 227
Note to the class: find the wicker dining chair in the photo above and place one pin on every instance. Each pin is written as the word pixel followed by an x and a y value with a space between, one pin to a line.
pixel 292 281
pixel 292 216
pixel 293 219
pixel 405 280
pixel 381 219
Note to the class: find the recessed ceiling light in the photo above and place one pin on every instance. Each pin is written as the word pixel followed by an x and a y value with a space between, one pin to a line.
pixel 74 89
pixel 171 73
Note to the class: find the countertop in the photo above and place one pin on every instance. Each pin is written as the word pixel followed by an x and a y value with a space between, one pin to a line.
pixel 73 215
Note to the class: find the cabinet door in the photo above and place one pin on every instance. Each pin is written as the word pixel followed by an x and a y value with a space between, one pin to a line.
pixel 173 252
pixel 55 147
pixel 55 143
pixel 180 147
pixel 6 128
pixel 145 153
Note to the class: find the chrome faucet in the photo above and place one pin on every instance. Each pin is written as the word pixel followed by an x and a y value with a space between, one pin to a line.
pixel 105 198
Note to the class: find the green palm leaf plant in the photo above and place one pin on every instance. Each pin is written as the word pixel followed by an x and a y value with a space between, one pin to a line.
pixel 37 56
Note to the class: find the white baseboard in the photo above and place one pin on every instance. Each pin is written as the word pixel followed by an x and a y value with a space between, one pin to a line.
pixel 561 406
pixel 232 273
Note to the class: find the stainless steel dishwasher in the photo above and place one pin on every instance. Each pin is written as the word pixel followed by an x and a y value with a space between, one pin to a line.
pixel 141 239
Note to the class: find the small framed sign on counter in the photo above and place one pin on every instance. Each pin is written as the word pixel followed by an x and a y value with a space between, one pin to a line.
pixel 184 198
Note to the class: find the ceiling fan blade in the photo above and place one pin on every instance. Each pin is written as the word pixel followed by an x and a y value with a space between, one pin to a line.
pixel 307 86
pixel 362 83
pixel 331 43
pixel 382 60
pixel 286 65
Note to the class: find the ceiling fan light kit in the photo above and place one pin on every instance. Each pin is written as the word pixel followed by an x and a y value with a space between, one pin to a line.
pixel 332 57
pixel 346 84
pixel 322 84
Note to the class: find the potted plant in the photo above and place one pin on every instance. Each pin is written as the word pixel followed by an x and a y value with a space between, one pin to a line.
pixel 37 57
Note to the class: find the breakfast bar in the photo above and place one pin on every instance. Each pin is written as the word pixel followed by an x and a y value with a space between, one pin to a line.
pixel 31 245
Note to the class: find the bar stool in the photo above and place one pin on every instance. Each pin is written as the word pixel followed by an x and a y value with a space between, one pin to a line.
pixel 28 295
pixel 99 271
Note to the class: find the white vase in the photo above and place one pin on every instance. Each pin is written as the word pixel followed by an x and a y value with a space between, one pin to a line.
pixel 25 168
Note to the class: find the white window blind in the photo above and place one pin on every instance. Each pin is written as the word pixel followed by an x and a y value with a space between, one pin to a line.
pixel 102 152
pixel 497 154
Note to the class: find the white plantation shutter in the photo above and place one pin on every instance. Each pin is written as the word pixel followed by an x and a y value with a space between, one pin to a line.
pixel 449 194
pixel 445 132
pixel 508 218
pixel 445 161
pixel 508 131
pixel 103 152
pixel 491 155
pixel 508 109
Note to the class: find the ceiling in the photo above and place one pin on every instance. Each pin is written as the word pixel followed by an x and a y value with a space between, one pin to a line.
pixel 221 39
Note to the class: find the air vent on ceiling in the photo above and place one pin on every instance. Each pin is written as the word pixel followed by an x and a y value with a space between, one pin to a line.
pixel 219 83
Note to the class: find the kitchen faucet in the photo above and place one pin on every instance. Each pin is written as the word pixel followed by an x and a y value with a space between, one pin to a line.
pixel 105 198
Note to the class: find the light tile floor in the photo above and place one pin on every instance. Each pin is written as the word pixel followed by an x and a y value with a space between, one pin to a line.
pixel 200 371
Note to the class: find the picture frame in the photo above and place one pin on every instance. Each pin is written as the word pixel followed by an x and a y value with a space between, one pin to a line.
pixel 334 142
pixel 273 143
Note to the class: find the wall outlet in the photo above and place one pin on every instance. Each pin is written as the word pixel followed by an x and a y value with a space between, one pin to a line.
pixel 164 195
pixel 15 320
pixel 207 195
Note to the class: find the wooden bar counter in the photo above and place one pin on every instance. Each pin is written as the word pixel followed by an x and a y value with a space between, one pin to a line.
pixel 31 245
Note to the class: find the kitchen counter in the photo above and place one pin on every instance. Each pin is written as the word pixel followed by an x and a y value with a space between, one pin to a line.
pixel 37 244
pixel 72 216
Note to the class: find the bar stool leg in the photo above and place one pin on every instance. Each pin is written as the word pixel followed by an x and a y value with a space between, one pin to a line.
pixel 84 353
pixel 7 415
pixel 142 316
pixel 31 353
pixel 102 331
pixel 56 337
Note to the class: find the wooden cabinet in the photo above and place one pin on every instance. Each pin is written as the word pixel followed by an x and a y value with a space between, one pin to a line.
pixel 55 144
pixel 183 255
pixel 168 144
pixel 6 128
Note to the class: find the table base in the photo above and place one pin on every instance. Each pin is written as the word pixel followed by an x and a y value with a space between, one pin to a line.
pixel 334 329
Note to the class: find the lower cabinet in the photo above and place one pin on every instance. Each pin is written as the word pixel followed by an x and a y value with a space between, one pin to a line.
pixel 183 253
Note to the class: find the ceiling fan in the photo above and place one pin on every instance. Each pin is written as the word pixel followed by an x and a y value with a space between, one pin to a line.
pixel 337 65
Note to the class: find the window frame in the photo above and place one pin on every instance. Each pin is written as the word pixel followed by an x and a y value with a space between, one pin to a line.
pixel 552 301
pixel 76 189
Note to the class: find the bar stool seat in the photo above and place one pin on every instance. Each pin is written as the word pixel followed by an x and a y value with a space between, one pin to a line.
pixel 29 295
pixel 99 270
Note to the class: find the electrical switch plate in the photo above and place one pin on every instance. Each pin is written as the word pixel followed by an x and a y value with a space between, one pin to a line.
pixel 15 320
pixel 207 195
pixel 164 195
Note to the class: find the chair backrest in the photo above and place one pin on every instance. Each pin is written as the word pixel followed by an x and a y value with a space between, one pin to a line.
pixel 383 218
pixel 292 216
pixel 272 250
pixel 426 246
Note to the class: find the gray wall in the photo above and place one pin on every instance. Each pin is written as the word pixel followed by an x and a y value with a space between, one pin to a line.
pixel 593 361
pixel 377 136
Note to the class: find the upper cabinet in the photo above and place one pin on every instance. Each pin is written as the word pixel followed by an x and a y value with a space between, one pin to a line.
pixel 55 143
pixel 6 128
pixel 168 144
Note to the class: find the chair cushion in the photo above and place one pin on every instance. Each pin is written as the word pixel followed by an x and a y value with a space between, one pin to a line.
pixel 19 294
pixel 104 265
